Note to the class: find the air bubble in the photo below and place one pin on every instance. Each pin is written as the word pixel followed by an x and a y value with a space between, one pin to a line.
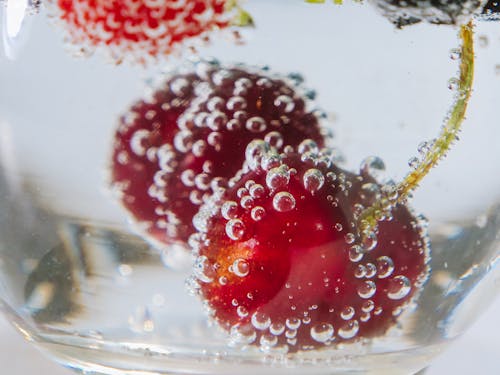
pixel 247 202
pixel 235 229
pixel 242 311
pixel 455 54
pixel 367 289
pixel 277 328
pixel 254 152
pixel 140 142
pixel 367 306
pixel 399 287
pixel 256 124
pixel 453 83
pixel 202 269
pixel 374 167
pixel 268 341
pixel 322 332
pixel 347 313
pixel 355 254
pixel 283 202
pixel 413 163
pixel 307 145
pixel 236 103
pixel 258 213
pixel 293 323
pixel 241 267
pixel 385 267
pixel 261 321
pixel 313 180
pixel 242 335
pixel 179 86
pixel 349 329
pixel 278 177
pixel 257 191
pixel 371 270
pixel 360 271
pixel 270 161
pixel 284 103
pixel 350 238
pixel 216 121
pixel 369 241
pixel 229 210
pixel 275 139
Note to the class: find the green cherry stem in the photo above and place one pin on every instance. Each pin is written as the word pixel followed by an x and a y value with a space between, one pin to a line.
pixel 241 18
pixel 369 217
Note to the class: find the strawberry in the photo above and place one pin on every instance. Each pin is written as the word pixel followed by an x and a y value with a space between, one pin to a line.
pixel 143 28
pixel 278 263
pixel 203 142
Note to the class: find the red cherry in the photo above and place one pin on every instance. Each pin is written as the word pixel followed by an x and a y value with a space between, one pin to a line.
pixel 142 142
pixel 278 264
pixel 144 27
pixel 201 145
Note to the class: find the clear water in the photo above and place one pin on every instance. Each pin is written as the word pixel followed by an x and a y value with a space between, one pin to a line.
pixel 79 283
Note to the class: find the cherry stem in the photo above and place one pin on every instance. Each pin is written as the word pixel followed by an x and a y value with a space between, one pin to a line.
pixel 241 18
pixel 370 217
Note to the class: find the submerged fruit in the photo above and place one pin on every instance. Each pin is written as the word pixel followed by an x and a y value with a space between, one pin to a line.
pixel 278 263
pixel 137 27
pixel 408 12
pixel 172 153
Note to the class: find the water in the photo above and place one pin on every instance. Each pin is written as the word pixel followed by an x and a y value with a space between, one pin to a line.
pixel 79 281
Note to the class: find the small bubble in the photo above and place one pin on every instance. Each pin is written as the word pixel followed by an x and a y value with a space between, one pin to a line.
pixel 307 145
pixel 453 83
pixel 347 313
pixel 291 333
pixel 455 54
pixel 322 332
pixel 349 329
pixel 258 213
pixel 283 202
pixel 367 306
pixel 268 341
pixel 369 241
pixel 247 202
pixel 256 124
pixel 399 287
pixel 355 254
pixel 360 271
pixel 241 267
pixel 235 229
pixel 367 289
pixel 241 311
pixel 350 238
pixel 278 177
pixel 275 139
pixel 229 210
pixel 125 270
pixel 385 267
pixel 257 191
pixel 202 269
pixel 371 270
pixel 242 335
pixel 261 321
pixel 277 328
pixel 293 323
pixel 284 103
pixel 313 180
pixel 413 163
pixel 374 167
